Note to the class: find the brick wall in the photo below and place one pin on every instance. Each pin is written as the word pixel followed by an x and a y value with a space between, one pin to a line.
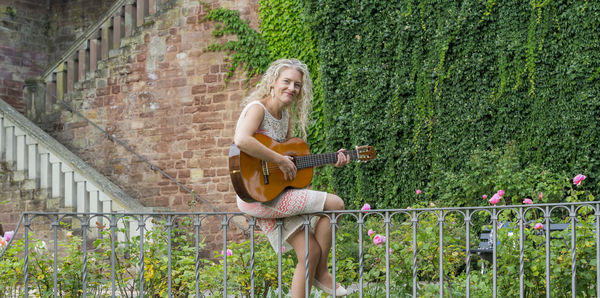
pixel 68 19
pixel 23 46
pixel 164 96
pixel 33 33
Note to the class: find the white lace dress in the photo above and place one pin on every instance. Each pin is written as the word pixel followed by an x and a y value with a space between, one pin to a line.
pixel 291 203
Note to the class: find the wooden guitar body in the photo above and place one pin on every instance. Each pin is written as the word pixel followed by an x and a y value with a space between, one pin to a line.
pixel 248 177
pixel 255 180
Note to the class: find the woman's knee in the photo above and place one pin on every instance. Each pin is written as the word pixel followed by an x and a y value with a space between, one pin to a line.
pixel 333 202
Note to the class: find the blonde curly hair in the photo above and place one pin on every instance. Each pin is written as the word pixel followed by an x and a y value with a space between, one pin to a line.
pixel 301 108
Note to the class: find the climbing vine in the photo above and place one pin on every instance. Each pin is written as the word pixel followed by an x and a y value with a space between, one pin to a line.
pixel 442 90
pixel 249 51
pixel 435 85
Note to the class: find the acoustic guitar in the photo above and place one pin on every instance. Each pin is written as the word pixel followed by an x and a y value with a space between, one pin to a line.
pixel 255 180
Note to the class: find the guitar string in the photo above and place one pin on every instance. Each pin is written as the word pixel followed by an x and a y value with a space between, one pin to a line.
pixel 317 158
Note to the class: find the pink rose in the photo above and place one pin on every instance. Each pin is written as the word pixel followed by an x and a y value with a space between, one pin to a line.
pixel 500 192
pixel 366 207
pixel 418 191
pixel 378 240
pixel 527 201
pixel 370 232
pixel 538 226
pixel 541 195
pixel 484 197
pixel 495 199
pixel 8 235
pixel 283 249
pixel 577 179
pixel 229 252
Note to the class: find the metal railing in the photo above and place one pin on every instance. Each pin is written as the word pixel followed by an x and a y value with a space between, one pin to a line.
pixel 418 252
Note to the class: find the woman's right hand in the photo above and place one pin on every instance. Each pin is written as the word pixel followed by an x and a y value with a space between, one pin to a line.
pixel 287 166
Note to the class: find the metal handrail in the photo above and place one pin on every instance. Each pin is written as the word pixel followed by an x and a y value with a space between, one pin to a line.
pixel 409 220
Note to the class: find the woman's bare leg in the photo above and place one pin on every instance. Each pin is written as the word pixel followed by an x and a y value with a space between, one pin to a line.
pixel 323 237
pixel 297 241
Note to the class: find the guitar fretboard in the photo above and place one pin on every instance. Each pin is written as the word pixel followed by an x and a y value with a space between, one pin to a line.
pixel 315 160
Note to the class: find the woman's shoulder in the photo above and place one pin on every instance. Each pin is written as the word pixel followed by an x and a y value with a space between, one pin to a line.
pixel 255 108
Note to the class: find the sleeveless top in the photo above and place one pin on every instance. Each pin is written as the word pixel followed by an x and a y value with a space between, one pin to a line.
pixel 272 127
pixel 291 204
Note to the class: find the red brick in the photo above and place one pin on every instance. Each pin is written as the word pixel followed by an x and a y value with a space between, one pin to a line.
pixel 209 78
pixel 183 174
pixel 14 92
pixel 178 82
pixel 215 88
pixel 191 20
pixel 199 89
pixel 221 187
pixel 101 91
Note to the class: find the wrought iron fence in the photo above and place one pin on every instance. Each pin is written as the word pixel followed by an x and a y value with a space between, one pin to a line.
pixel 551 249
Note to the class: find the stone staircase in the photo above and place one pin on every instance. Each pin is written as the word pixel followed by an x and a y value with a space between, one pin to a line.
pixel 100 42
pixel 46 176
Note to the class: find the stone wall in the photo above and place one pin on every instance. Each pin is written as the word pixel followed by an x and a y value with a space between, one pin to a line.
pixel 165 97
pixel 22 195
pixel 162 95
pixel 69 19
pixel 33 33
pixel 23 46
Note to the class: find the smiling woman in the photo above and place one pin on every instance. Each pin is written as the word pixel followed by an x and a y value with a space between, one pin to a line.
pixel 285 90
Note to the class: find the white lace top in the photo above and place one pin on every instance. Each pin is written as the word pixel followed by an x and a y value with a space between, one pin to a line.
pixel 274 128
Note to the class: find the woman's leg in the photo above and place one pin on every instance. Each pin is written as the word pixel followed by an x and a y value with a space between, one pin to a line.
pixel 323 237
pixel 297 241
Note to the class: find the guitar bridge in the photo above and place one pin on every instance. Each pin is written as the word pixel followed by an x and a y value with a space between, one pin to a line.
pixel 265 170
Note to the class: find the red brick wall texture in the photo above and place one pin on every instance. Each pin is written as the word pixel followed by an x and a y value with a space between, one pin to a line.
pixel 164 96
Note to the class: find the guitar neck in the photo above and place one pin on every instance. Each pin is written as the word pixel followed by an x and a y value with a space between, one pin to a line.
pixel 316 160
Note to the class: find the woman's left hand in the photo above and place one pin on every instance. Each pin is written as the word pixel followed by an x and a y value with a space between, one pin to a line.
pixel 342 159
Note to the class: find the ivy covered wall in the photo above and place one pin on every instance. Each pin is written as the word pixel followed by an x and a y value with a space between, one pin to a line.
pixel 445 88
pixel 460 98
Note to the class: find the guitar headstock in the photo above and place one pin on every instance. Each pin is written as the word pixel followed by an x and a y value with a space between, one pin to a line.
pixel 365 153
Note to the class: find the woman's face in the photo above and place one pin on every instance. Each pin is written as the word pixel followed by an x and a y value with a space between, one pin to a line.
pixel 288 85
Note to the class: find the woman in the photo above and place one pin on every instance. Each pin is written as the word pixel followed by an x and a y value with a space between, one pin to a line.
pixel 282 99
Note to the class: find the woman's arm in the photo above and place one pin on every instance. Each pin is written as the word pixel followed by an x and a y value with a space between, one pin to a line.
pixel 245 141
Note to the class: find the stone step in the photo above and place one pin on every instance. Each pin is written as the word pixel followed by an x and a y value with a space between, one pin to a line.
pixel 40 174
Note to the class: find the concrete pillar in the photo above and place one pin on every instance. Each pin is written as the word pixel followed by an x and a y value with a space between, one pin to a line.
pixel 45 169
pixel 33 160
pixel 35 97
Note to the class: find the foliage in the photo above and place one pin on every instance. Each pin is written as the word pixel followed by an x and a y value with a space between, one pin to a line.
pixel 249 50
pixel 284 32
pixel 486 172
pixel 431 84
pixel 400 241
pixel 434 86
pixel 286 28
pixel 128 263
pixel 535 258
pixel 398 227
